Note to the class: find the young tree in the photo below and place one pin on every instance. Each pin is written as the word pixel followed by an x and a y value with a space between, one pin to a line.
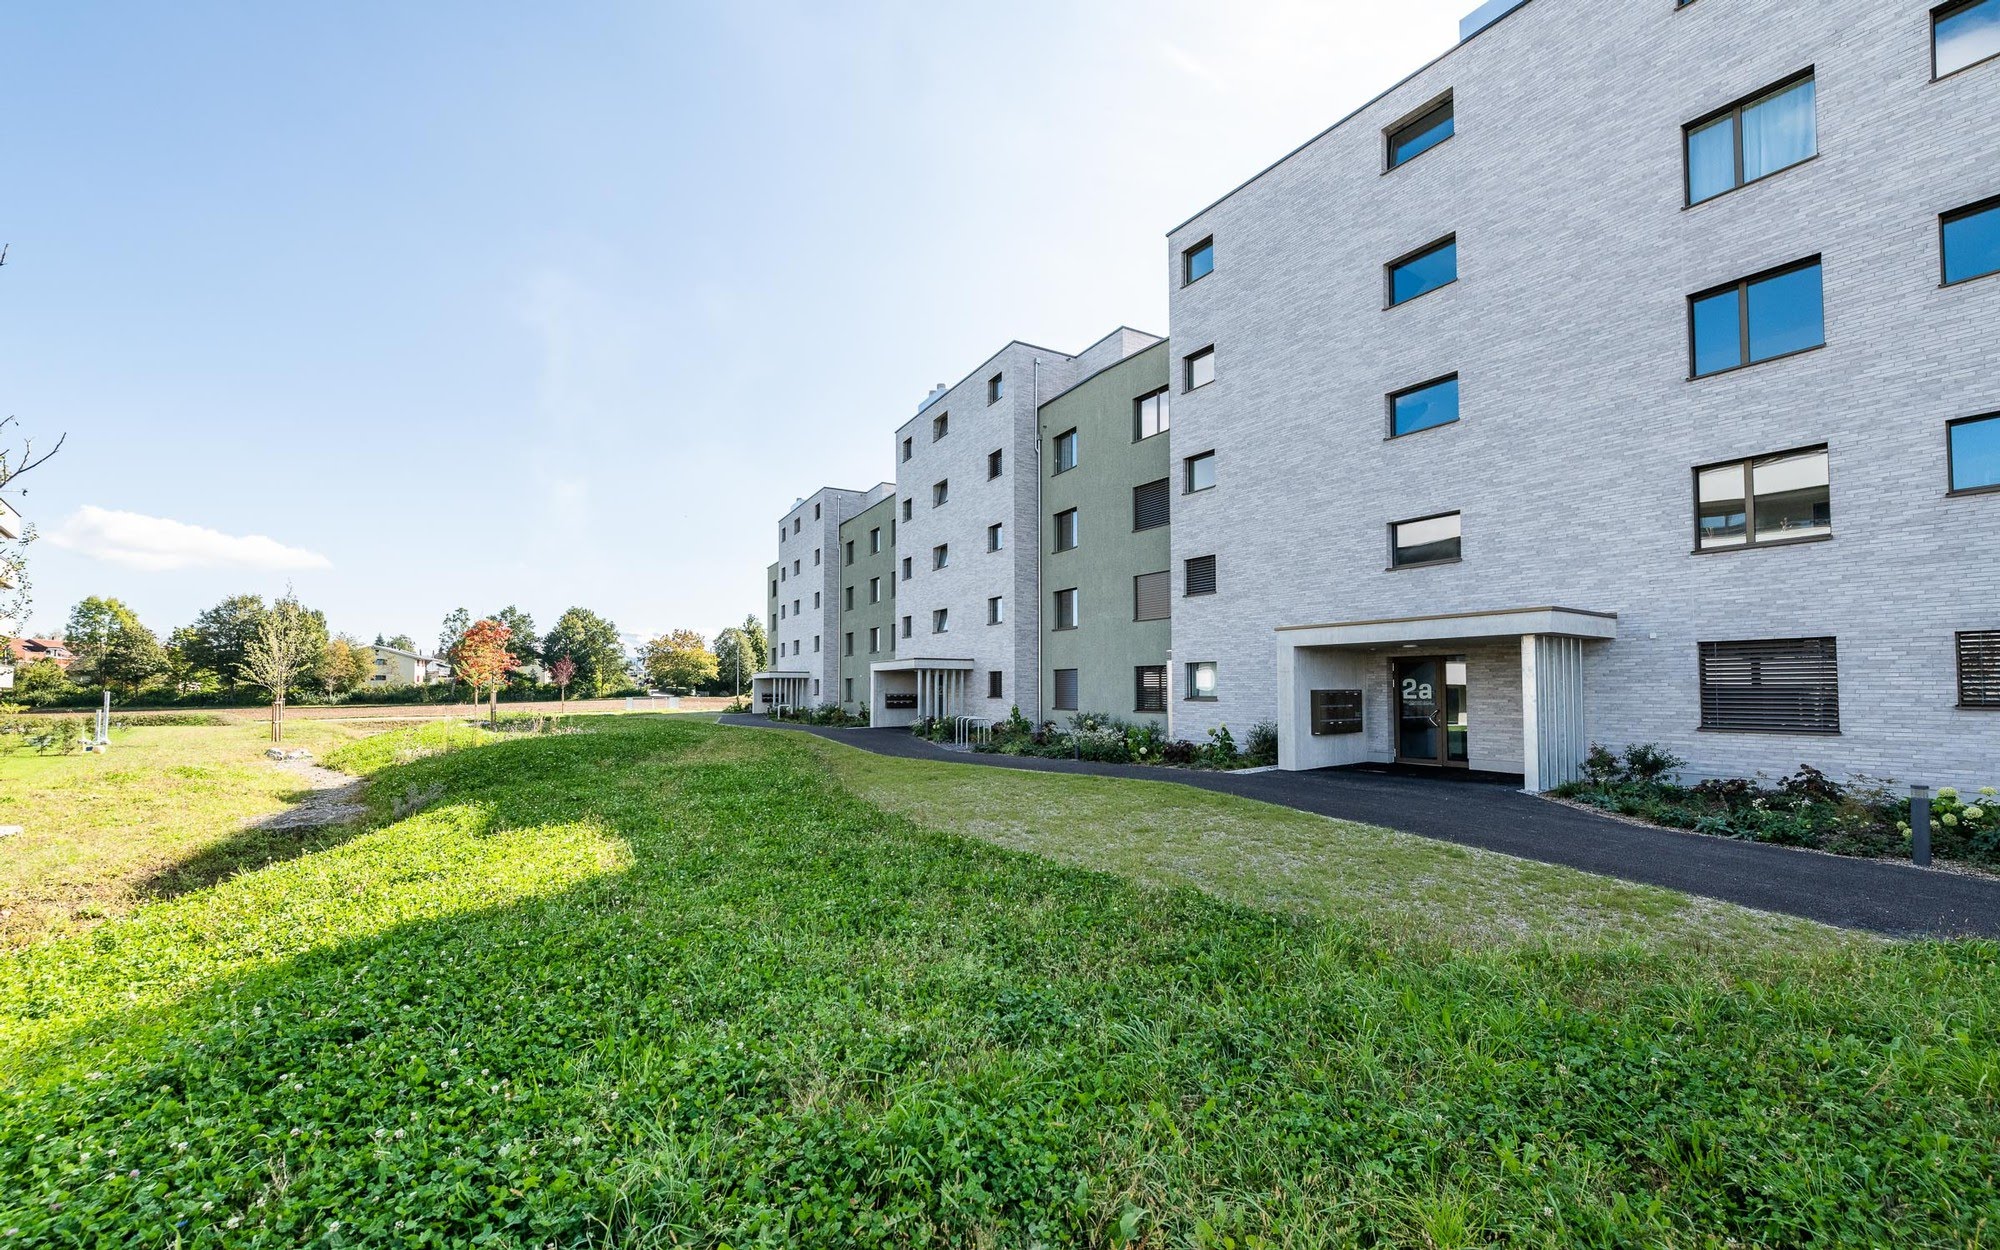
pixel 679 660
pixel 480 659
pixel 113 650
pixel 288 643
pixel 562 673
pixel 344 666
pixel 592 642
pixel 220 636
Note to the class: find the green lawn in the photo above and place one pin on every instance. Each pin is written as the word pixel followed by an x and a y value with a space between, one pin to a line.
pixel 671 983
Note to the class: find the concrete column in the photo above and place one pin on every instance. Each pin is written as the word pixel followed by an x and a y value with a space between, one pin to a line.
pixel 1553 740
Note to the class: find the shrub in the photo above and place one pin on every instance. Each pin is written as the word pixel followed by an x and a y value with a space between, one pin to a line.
pixel 1260 749
pixel 1181 753
pixel 1220 749
pixel 1646 763
pixel 1601 766
pixel 156 720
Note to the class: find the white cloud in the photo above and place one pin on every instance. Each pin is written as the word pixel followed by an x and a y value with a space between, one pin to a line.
pixel 158 545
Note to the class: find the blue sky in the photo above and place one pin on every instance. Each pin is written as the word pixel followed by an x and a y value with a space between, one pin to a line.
pixel 422 306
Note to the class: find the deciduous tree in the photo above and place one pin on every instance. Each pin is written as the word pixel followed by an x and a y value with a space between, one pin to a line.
pixel 113 650
pixel 523 643
pixel 480 659
pixel 220 637
pixel 343 667
pixel 592 642
pixel 562 673
pixel 288 643
pixel 740 651
pixel 679 660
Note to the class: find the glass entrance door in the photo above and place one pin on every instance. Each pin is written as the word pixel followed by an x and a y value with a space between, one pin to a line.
pixel 1433 720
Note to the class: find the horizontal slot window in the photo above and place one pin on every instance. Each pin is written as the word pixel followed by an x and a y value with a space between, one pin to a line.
pixel 1758 319
pixel 1421 133
pixel 1426 540
pixel 1424 407
pixel 1776 499
pixel 1423 272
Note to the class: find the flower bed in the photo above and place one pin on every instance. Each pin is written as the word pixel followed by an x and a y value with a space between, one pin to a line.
pixel 1105 739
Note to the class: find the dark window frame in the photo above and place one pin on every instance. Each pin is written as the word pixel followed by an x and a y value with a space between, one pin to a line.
pixel 1749 464
pixel 1988 637
pixel 1165 499
pixel 1056 689
pixel 1427 564
pixel 1705 649
pixel 996 388
pixel 1160 682
pixel 1055 452
pixel 1187 368
pixel 940 620
pixel 940 427
pixel 997 530
pixel 995 684
pixel 1187 261
pixel 1393 396
pixel 996 610
pixel 1742 287
pixel 996 463
pixel 940 492
pixel 1075 610
pixel 1412 121
pixel 1187 577
pixel 1163 394
pixel 1187 473
pixel 1736 111
pixel 1191 696
pixel 1990 205
pixel 1389 299
pixel 1076 531
pixel 1940 13
pixel 1952 489
pixel 1166 598
pixel 909 449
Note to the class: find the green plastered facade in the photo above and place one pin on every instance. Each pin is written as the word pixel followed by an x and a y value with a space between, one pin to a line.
pixel 871 536
pixel 1108 645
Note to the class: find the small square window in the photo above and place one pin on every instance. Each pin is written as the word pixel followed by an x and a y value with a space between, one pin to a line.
pixel 1151 594
pixel 996 536
pixel 1152 505
pixel 1198 261
pixel 940 620
pixel 1973 444
pixel 1199 369
pixel 1423 271
pixel 1200 472
pixel 1066 609
pixel 1426 540
pixel 1963 34
pixel 996 461
pixel 996 684
pixel 940 426
pixel 1066 530
pixel 1150 688
pixel 996 611
pixel 940 492
pixel 906 627
pixel 1200 579
pixel 1971 239
pixel 996 388
pixel 1201 680
pixel 1066 690
pixel 1065 451
pixel 941 556
pixel 1150 416
pixel 1421 133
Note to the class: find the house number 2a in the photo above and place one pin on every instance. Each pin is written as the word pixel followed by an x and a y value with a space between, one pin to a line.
pixel 1415 691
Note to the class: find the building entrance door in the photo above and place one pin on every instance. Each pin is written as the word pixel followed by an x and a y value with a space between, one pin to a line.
pixel 1432 720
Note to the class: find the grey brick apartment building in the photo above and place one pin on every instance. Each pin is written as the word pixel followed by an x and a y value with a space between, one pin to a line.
pixel 1626 374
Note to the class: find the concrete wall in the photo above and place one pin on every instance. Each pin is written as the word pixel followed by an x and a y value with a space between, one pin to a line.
pixel 855 578
pixel 1108 643
pixel 1580 427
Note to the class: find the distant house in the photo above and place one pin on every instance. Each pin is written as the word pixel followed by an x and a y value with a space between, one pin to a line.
pixel 30 650
pixel 393 666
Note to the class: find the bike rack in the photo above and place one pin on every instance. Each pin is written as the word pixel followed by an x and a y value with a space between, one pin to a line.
pixel 967 731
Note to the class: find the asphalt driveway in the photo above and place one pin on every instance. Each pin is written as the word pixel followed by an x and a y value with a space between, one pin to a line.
pixel 1897 900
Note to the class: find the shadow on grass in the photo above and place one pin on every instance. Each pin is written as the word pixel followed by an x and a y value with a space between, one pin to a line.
pixel 795 1020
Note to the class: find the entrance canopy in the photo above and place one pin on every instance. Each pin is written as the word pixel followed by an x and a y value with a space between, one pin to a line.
pixel 907 691
pixel 779 688
pixel 1522 711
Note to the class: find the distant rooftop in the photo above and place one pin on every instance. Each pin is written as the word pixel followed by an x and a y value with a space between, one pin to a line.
pixel 1485 15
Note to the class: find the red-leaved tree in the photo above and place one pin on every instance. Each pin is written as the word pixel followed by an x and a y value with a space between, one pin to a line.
pixel 562 673
pixel 480 658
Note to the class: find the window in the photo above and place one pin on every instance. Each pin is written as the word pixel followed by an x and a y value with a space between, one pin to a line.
pixel 1201 680
pixel 815 557
pixel 875 541
pixel 1423 271
pixel 1971 239
pixel 795 607
pixel 848 603
pixel 940 620
pixel 1065 699
pixel 795 524
pixel 1200 472
pixel 996 611
pixel 815 644
pixel 1424 407
pixel 996 388
pixel 1782 685
pixel 909 508
pixel 1066 609
pixel 1150 416
pixel 1964 34
pixel 1199 369
pixel 1973 444
pixel 795 568
pixel 850 552
pixel 1421 133
pixel 1979 669
pixel 996 536
pixel 1755 503
pixel 1150 688
pixel 815 512
pixel 1065 451
pixel 1066 530
pixel 906 627
pixel 906 568
pixel 1426 540
pixel 940 426
pixel 1152 505
pixel 996 684
pixel 784 574
pixel 1198 261
pixel 1751 139
pixel 875 640
pixel 774 588
pixel 941 556
pixel 815 601
pixel 906 449
pixel 940 492
pixel 1761 318
pixel 995 462
pixel 1150 595
pixel 847 689
pixel 1200 575
pixel 874 590
pixel 847 642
